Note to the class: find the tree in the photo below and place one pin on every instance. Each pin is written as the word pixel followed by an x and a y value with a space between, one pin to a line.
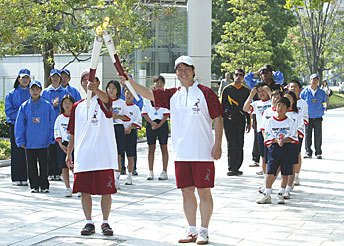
pixel 256 35
pixel 317 28
pixel 300 3
pixel 51 26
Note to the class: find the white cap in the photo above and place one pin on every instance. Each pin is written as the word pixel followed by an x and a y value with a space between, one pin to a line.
pixel 183 59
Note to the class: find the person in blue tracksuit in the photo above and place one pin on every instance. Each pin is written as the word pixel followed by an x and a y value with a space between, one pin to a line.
pixel 316 99
pixel 138 103
pixel 14 99
pixel 65 75
pixel 266 72
pixel 34 132
pixel 54 94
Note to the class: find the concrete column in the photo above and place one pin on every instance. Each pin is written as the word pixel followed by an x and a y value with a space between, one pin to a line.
pixel 199 38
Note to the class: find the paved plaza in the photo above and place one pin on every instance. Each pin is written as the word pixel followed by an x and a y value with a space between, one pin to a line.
pixel 150 212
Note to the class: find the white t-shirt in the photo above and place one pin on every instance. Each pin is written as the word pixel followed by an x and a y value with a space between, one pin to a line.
pixel 119 107
pixel 60 128
pixel 154 113
pixel 192 112
pixel 258 108
pixel 276 128
pixel 303 109
pixel 268 113
pixel 94 138
pixel 134 115
pixel 297 118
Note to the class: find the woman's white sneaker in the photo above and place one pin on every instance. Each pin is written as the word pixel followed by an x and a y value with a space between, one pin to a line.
pixel 163 176
pixel 203 237
pixel 68 192
pixel 150 175
pixel 190 237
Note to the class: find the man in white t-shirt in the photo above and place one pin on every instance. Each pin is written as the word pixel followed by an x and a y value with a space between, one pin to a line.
pixel 193 108
pixel 95 152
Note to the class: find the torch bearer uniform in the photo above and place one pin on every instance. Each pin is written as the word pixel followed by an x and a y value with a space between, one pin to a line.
pixel 192 112
pixel 95 150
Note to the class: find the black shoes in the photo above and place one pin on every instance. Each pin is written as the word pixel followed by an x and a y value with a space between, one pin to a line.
pixel 234 173
pixel 88 230
pixel 106 229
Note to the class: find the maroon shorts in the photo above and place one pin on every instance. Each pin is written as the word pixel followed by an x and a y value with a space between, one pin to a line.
pixel 99 182
pixel 200 174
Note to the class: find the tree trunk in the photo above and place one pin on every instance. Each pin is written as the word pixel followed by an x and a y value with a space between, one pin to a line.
pixel 48 62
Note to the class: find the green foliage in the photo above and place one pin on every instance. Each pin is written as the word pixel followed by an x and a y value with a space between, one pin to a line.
pixel 5 149
pixel 141 133
pixel 300 3
pixel 256 36
pixel 4 131
pixel 336 100
pixel 54 26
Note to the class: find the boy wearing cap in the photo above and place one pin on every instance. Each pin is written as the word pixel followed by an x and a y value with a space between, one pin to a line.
pixel 54 94
pixel 65 78
pixel 92 137
pixel 193 107
pixel 34 130
pixel 14 99
pixel 316 100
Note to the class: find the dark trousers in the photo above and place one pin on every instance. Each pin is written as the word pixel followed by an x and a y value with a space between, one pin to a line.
pixel 37 180
pixel 316 125
pixel 234 132
pixel 18 160
pixel 123 168
pixel 53 168
pixel 255 150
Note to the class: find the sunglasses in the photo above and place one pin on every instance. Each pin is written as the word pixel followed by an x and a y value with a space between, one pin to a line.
pixel 264 72
pixel 239 74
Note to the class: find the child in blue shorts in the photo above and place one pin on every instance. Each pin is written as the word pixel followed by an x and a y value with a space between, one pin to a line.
pixel 279 134
pixel 34 129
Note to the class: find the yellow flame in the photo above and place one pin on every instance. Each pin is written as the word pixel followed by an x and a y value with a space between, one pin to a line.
pixel 99 30
pixel 106 22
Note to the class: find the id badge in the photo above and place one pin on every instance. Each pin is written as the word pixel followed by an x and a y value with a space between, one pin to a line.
pixel 314 100
pixel 94 122
pixel 36 120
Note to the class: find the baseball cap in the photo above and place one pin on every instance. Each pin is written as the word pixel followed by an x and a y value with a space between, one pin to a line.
pixel 314 75
pixel 266 67
pixel 35 82
pixel 55 71
pixel 183 59
pixel 83 73
pixel 65 70
pixel 24 72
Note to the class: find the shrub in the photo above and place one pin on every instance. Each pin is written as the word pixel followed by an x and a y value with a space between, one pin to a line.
pixel 5 149
pixel 4 131
pixel 336 100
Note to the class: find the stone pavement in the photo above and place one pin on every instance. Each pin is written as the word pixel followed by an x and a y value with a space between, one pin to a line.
pixel 150 212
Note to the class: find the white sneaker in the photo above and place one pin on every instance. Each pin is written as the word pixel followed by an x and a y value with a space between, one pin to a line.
pixel 264 200
pixel 163 176
pixel 129 180
pixel 16 183
pixel 203 237
pixel 24 183
pixel 286 195
pixel 68 192
pixel 79 194
pixel 280 199
pixel 190 237
pixel 297 181
pixel 150 175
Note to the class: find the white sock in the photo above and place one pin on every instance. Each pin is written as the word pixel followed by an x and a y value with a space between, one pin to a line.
pixel 192 228
pixel 89 222
pixel 296 175
pixel 282 190
pixel 105 222
pixel 288 188
pixel 264 180
pixel 268 191
pixel 130 174
pixel 117 174
pixel 203 229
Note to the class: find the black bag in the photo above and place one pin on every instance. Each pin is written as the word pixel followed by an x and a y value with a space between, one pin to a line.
pixel 330 93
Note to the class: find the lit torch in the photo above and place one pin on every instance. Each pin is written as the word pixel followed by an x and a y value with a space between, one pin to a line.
pixel 114 57
pixel 97 45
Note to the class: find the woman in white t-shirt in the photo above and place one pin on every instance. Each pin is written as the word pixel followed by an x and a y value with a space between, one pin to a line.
pixel 120 115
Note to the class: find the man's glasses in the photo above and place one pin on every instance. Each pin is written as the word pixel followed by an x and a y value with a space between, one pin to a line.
pixel 239 74
pixel 264 72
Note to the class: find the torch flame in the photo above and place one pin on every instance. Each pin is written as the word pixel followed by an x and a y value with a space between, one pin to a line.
pixel 106 22
pixel 99 31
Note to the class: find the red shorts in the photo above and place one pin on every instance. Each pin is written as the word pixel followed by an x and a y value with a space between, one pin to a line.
pixel 99 182
pixel 200 174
